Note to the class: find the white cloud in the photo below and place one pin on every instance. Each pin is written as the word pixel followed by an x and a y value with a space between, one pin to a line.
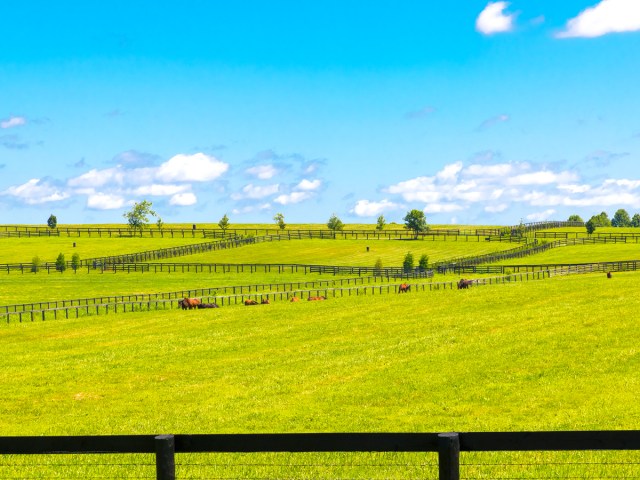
pixel 98 178
pixel 256 191
pixel 608 16
pixel 308 185
pixel 540 216
pixel 263 172
pixel 35 192
pixel 493 19
pixel 183 199
pixel 251 209
pixel 191 168
pixel 293 197
pixel 365 208
pixel 500 207
pixel 544 177
pixel 160 190
pixel 13 122
pixel 105 201
pixel 449 172
pixel 442 208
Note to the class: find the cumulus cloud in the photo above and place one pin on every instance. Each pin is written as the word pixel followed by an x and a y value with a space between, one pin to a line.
pixel 157 190
pixel 12 122
pixel 366 208
pixel 493 19
pixel 608 16
pixel 292 198
pixel 263 172
pixel 256 191
pixel 105 201
pixel 198 167
pixel 541 216
pixel 183 199
pixel 36 192
pixel 308 185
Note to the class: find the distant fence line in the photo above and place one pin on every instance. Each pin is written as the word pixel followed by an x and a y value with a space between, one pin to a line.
pixel 625 237
pixel 554 268
pixel 446 448
pixel 148 304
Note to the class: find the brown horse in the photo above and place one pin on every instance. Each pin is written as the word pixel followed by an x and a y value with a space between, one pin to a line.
pixel 208 305
pixel 608 274
pixel 311 299
pixel 189 303
pixel 294 299
pixel 250 302
pixel 464 283
pixel 404 288
pixel 265 301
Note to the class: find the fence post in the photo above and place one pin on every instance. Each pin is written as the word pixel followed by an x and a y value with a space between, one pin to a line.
pixel 165 457
pixel 449 456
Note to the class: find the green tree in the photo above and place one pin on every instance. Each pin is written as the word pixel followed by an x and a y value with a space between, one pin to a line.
pixel 377 268
pixel 635 220
pixel 52 221
pixel 416 221
pixel 407 263
pixel 138 216
pixel 75 261
pixel 224 223
pixel 602 220
pixel 61 264
pixel 574 218
pixel 335 224
pixel 591 226
pixel 621 218
pixel 160 224
pixel 423 263
pixel 279 219
pixel 381 223
pixel 36 263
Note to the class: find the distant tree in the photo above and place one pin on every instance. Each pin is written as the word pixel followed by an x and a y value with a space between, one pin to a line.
pixel 416 221
pixel 591 226
pixel 574 218
pixel 335 224
pixel 279 219
pixel 75 261
pixel 52 221
pixel 224 223
pixel 159 224
pixel 621 218
pixel 36 263
pixel 635 220
pixel 602 220
pixel 377 268
pixel 423 263
pixel 407 264
pixel 138 216
pixel 381 223
pixel 61 264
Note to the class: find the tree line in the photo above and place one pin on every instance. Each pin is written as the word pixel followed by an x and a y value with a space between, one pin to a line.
pixel 620 219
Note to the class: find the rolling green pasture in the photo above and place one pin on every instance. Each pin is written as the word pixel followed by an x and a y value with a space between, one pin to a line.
pixel 553 354
pixel 347 252
pixel 610 252
pixel 22 250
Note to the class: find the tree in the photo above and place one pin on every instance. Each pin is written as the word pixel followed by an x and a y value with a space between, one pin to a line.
pixel 407 264
pixel 35 264
pixel 75 261
pixel 138 216
pixel 416 221
pixel 601 220
pixel 279 219
pixel 591 226
pixel 423 263
pixel 621 218
pixel 52 221
pixel 61 264
pixel 377 268
pixel 335 224
pixel 381 223
pixel 574 218
pixel 160 224
pixel 224 223
pixel 635 221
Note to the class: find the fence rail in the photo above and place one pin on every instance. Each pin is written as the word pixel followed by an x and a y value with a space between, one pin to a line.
pixel 448 446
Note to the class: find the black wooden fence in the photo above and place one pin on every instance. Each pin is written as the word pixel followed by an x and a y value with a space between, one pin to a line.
pixel 447 446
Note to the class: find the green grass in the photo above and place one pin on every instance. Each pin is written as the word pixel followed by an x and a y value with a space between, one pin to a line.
pixel 439 361
pixel 610 252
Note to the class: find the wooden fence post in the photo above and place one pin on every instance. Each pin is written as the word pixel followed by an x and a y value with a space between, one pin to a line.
pixel 165 457
pixel 449 456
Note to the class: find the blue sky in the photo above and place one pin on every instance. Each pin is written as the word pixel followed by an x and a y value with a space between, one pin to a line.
pixel 475 112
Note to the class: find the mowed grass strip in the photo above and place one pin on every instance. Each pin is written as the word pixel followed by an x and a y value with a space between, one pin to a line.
pixel 347 252
pixel 589 253
pixel 545 355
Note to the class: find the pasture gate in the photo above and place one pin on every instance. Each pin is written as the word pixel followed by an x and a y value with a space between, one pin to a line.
pixel 441 459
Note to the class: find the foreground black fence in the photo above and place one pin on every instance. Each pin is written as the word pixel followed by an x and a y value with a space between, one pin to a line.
pixel 439 455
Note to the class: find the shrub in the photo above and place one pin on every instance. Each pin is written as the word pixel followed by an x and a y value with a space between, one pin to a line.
pixel 377 268
pixel 423 263
pixel 36 263
pixel 61 264
pixel 75 261
pixel 407 264
pixel 52 221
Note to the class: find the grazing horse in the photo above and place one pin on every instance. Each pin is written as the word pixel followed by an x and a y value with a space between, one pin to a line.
pixel 464 283
pixel 294 299
pixel 404 288
pixel 208 305
pixel 250 302
pixel 265 301
pixel 311 299
pixel 189 303
pixel 608 274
